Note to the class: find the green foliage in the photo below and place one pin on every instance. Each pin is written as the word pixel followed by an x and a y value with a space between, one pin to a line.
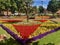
pixel 49 44
pixel 41 9
pixel 35 43
pixel 2 7
pixel 14 5
pixel 9 42
pixel 53 6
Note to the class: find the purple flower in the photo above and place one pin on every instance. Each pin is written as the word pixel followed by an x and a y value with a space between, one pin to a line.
pixel 15 36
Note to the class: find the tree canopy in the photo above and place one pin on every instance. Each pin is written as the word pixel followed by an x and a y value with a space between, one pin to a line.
pixel 14 5
pixel 41 9
pixel 53 6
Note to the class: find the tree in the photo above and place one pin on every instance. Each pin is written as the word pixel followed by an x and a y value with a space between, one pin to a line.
pixel 13 6
pixel 41 9
pixel 2 7
pixel 16 5
pixel 35 8
pixel 27 7
pixel 19 4
pixel 7 5
pixel 24 6
pixel 53 6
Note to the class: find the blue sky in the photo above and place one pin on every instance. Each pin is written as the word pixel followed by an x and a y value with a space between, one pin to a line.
pixel 38 3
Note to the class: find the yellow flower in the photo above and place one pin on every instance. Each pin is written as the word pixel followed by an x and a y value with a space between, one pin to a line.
pixel 10 26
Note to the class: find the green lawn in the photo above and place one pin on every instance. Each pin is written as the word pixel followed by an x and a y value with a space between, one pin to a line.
pixel 4 32
pixel 51 38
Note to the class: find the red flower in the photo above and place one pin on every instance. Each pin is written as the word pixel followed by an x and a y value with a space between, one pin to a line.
pixel 12 20
pixel 26 30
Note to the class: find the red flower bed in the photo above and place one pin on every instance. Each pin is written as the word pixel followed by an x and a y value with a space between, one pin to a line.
pixel 26 30
pixel 41 20
pixel 12 20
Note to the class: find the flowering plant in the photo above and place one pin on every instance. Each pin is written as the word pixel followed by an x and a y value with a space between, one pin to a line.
pixel 28 33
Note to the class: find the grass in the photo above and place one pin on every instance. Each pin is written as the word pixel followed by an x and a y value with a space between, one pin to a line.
pixel 4 32
pixel 51 38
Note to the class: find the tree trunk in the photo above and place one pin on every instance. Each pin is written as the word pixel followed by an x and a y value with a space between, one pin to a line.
pixel 27 15
pixel 19 12
pixel 7 12
pixel 54 16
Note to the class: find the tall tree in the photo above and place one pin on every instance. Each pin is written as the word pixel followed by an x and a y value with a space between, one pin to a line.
pixel 2 7
pixel 7 5
pixel 27 7
pixel 53 6
pixel 41 9
pixel 16 5
pixel 35 8
pixel 19 4
pixel 13 6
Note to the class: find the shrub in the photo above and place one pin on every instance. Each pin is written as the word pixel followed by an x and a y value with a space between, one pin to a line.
pixel 9 41
pixel 49 44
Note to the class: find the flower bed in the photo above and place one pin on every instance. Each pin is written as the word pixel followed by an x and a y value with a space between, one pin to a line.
pixel 10 20
pixel 31 31
pixel 41 20
pixel 25 30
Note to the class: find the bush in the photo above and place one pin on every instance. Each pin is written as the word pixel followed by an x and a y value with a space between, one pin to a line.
pixel 9 42
pixel 35 43
pixel 49 44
